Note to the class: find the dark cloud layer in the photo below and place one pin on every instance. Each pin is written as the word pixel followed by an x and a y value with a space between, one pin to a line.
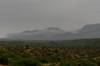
pixel 19 15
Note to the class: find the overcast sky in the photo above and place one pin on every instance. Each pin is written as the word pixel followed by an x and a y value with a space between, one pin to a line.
pixel 20 15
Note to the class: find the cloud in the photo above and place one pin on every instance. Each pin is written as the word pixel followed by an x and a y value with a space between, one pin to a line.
pixel 18 15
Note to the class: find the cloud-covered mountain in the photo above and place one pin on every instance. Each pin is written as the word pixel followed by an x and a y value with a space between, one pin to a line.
pixel 88 31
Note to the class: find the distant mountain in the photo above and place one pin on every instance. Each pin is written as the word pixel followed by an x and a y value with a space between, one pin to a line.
pixel 90 31
pixel 52 33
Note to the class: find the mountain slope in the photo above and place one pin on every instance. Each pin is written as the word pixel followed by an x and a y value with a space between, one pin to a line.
pixel 88 31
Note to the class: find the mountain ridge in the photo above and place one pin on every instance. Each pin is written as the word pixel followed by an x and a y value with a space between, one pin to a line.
pixel 53 33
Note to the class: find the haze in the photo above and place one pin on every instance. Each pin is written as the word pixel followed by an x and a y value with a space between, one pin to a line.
pixel 20 15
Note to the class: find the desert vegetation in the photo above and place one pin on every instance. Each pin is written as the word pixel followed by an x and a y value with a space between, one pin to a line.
pixel 45 53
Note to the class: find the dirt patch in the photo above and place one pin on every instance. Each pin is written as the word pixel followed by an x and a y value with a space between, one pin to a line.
pixel 3 65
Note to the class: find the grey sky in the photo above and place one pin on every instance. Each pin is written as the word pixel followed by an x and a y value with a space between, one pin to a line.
pixel 19 15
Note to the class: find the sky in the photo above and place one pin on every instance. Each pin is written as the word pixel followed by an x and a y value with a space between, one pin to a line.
pixel 20 15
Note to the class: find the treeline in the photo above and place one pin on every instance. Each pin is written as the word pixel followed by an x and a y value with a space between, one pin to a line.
pixel 79 43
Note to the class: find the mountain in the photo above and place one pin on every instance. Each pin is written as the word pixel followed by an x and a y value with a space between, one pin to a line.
pixel 52 33
pixel 90 31
pixel 46 34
